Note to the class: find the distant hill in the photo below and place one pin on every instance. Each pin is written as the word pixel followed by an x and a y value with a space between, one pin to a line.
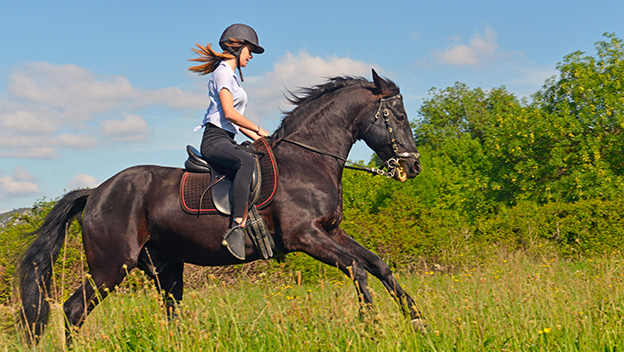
pixel 5 218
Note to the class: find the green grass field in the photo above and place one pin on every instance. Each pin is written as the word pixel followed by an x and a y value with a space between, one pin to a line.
pixel 513 303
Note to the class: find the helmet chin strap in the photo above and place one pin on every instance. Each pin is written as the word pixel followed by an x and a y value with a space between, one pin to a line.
pixel 240 72
pixel 236 54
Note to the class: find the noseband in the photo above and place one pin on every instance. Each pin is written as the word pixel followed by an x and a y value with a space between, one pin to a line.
pixel 392 164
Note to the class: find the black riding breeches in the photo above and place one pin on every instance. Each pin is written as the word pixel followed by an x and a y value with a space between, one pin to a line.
pixel 219 147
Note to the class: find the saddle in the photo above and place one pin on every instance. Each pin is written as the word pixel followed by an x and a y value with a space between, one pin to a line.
pixel 207 189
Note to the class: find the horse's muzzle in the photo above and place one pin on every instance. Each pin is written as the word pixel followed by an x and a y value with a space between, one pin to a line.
pixel 409 166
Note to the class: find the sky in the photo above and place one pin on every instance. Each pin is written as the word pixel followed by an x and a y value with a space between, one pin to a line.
pixel 88 88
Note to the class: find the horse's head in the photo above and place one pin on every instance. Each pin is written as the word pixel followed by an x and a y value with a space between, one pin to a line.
pixel 387 131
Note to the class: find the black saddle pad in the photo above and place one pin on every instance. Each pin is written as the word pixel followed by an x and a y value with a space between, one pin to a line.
pixel 196 197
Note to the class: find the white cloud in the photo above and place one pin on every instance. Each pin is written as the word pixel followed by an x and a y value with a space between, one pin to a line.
pixel 27 121
pixel 172 97
pixel 131 128
pixel 481 50
pixel 47 107
pixel 30 153
pixel 19 184
pixel 75 91
pixel 83 181
pixel 535 76
pixel 77 141
pixel 528 79
pixel 291 72
pixel 23 175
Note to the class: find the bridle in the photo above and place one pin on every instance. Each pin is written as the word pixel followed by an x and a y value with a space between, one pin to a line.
pixel 386 113
pixel 392 164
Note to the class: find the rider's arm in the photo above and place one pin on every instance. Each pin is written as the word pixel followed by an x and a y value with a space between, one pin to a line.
pixel 247 127
pixel 249 133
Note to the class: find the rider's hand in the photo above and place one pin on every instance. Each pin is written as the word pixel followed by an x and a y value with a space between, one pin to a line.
pixel 262 133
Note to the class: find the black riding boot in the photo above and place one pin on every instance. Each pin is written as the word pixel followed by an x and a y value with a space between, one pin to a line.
pixel 234 240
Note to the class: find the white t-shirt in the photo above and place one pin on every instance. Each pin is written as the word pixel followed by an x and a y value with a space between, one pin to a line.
pixel 223 78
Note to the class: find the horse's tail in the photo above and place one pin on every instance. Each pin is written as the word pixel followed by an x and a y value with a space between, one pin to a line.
pixel 35 270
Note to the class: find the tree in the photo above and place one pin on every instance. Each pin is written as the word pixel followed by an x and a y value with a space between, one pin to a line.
pixel 475 133
pixel 584 107
pixel 566 144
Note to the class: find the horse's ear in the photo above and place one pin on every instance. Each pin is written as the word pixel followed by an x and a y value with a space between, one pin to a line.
pixel 380 84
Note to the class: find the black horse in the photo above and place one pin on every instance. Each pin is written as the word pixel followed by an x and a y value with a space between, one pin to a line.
pixel 139 208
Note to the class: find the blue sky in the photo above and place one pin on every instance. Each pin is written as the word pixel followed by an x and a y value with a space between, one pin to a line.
pixel 90 88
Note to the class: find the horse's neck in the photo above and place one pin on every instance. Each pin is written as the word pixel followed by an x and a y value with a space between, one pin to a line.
pixel 329 128
pixel 329 132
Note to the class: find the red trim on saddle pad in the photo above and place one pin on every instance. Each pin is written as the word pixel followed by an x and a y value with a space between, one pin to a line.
pixel 269 173
pixel 192 186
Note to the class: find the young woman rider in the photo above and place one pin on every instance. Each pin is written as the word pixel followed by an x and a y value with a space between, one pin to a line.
pixel 224 117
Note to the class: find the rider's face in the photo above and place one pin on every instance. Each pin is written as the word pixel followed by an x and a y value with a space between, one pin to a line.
pixel 245 56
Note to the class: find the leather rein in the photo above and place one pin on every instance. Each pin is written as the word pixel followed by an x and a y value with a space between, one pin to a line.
pixel 392 164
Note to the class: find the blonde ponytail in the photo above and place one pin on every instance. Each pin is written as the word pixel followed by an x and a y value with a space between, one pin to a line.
pixel 209 58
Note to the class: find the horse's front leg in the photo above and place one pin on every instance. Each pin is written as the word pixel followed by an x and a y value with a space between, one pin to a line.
pixel 376 266
pixel 317 243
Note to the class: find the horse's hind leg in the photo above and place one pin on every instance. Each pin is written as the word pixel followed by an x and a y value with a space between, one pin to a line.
pixel 376 266
pixel 94 289
pixel 111 254
pixel 166 273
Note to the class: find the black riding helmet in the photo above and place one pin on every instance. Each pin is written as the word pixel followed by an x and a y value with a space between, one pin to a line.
pixel 243 33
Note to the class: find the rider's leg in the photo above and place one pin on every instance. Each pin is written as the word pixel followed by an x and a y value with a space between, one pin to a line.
pixel 223 151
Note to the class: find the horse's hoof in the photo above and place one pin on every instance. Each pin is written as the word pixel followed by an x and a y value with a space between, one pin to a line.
pixel 419 325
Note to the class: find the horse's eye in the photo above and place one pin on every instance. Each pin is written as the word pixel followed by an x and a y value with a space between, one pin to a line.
pixel 397 111
pixel 398 114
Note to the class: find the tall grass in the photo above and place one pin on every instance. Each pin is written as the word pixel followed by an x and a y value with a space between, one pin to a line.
pixel 513 303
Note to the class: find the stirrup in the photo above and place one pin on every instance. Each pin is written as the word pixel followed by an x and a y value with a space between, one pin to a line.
pixel 234 241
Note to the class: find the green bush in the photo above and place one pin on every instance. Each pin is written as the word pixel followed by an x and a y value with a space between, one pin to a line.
pixel 395 222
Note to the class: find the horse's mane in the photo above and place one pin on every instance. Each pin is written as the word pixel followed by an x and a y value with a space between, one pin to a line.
pixel 304 98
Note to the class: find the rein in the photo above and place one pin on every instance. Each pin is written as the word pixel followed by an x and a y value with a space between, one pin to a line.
pixel 392 164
